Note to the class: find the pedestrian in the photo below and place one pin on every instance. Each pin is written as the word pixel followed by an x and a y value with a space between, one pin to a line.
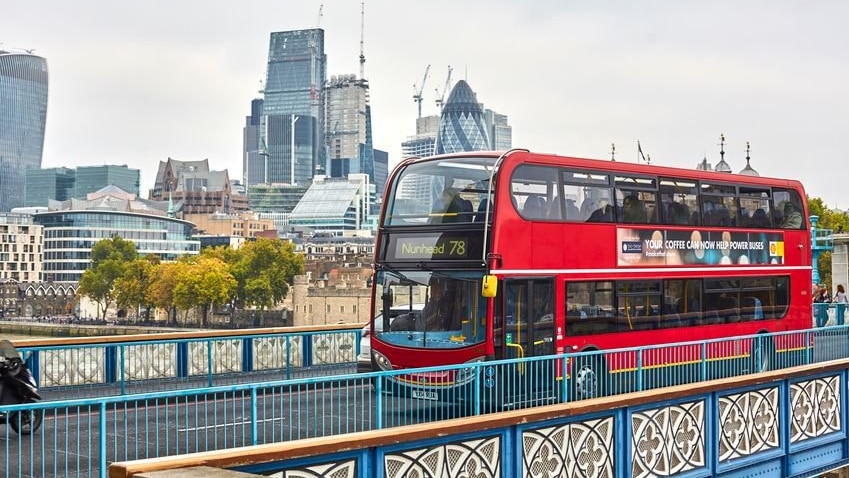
pixel 821 301
pixel 841 300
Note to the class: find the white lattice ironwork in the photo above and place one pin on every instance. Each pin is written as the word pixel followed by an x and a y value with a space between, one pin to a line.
pixel 668 440
pixel 333 348
pixel 275 353
pixel 226 355
pixel 150 361
pixel 748 423
pixel 345 469
pixel 815 408
pixel 570 450
pixel 80 366
pixel 473 458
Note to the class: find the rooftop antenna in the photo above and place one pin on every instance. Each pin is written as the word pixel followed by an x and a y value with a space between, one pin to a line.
pixel 362 30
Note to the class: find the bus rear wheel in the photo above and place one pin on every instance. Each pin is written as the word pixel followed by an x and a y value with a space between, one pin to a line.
pixel 588 377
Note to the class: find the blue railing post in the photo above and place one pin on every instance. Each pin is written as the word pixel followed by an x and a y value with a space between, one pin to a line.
pixel 209 361
pixel 703 365
pixel 253 416
pixel 640 370
pixel 307 348
pixel 102 440
pixel 122 379
pixel 33 364
pixel 564 387
pixel 111 363
pixel 477 384
pixel 247 355
pixel 182 359
pixel 378 390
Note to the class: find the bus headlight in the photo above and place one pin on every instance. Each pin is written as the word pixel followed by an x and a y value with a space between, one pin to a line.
pixel 382 362
pixel 466 375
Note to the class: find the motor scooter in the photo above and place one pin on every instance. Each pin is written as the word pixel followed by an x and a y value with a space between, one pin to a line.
pixel 17 385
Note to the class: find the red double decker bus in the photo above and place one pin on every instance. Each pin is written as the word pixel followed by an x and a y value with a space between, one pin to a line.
pixel 518 254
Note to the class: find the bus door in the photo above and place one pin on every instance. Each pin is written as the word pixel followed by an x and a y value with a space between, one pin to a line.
pixel 527 307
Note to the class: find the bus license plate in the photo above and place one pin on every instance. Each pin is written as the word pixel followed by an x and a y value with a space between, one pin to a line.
pixel 425 395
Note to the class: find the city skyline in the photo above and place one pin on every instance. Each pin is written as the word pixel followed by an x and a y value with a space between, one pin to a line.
pixel 572 78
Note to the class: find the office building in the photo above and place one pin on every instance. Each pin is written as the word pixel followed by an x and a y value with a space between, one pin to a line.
pixel 462 126
pixel 348 127
pixel 381 171
pixel 253 155
pixel 335 205
pixel 23 116
pixel 20 248
pixel 423 143
pixel 72 227
pixel 48 183
pixel 89 179
pixel 500 132
pixel 291 125
pixel 197 189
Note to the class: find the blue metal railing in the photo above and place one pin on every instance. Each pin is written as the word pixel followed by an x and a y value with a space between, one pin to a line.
pixel 80 437
pixel 136 366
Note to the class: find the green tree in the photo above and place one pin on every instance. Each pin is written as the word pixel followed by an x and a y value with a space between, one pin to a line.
pixel 264 270
pixel 131 288
pixel 160 292
pixel 204 282
pixel 109 258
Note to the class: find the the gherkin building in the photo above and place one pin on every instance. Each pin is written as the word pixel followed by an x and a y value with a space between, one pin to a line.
pixel 462 126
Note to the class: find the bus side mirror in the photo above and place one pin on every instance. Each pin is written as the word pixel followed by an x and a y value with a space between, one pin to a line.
pixel 489 287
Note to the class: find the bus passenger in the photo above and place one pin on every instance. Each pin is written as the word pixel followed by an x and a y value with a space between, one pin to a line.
pixel 633 210
pixel 792 217
pixel 678 213
pixel 455 209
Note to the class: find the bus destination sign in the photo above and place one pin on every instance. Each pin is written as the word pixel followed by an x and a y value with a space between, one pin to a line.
pixel 429 247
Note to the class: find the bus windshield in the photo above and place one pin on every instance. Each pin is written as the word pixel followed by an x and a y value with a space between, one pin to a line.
pixel 450 190
pixel 425 309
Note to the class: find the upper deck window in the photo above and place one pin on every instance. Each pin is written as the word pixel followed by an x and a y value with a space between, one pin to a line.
pixel 440 191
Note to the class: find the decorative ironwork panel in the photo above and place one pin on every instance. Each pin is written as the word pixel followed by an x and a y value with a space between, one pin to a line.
pixel 76 366
pixel 275 353
pixel 226 356
pixel 150 361
pixel 345 469
pixel 815 408
pixel 749 423
pixel 479 458
pixel 668 440
pixel 570 450
pixel 333 348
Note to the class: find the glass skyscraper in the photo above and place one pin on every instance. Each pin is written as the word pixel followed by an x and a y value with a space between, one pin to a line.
pixel 23 114
pixel 462 126
pixel 292 110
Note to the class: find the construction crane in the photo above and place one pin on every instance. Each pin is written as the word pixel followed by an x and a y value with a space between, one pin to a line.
pixel 417 97
pixel 362 30
pixel 441 96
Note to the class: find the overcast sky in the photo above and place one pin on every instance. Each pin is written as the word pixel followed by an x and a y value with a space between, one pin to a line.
pixel 136 82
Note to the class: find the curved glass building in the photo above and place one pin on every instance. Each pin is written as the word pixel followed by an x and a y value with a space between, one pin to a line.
pixel 70 235
pixel 462 126
pixel 23 115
